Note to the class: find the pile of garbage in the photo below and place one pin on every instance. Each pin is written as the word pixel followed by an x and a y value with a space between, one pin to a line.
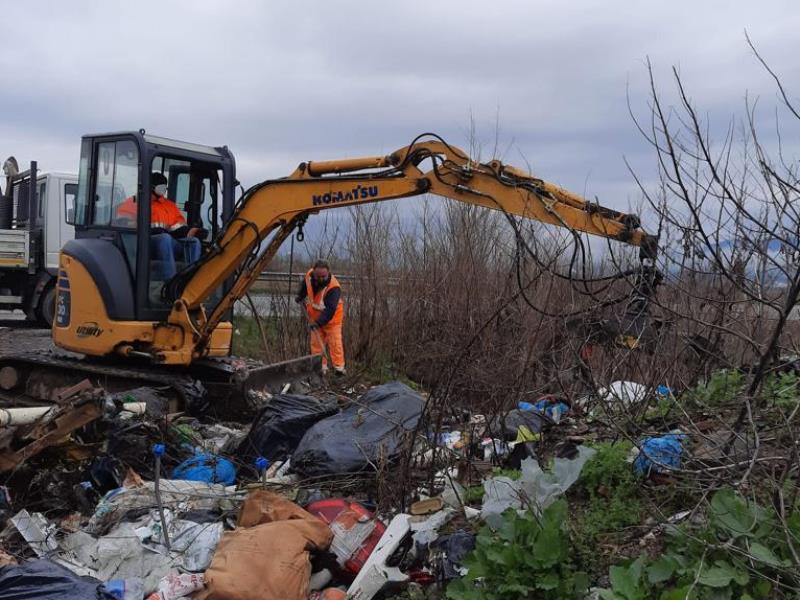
pixel 123 500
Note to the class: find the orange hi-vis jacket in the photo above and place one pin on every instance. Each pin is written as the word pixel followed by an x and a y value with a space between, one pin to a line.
pixel 315 303
pixel 164 213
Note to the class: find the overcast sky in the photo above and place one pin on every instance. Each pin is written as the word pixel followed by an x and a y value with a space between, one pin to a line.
pixel 282 82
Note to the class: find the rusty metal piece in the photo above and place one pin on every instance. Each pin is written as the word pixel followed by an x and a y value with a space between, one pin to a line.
pixel 74 390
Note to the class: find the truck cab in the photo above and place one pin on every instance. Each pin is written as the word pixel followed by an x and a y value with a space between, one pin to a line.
pixel 36 219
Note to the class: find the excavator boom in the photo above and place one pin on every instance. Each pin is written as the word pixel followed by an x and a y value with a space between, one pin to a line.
pixel 273 208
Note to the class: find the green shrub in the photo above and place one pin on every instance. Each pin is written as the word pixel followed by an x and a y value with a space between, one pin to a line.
pixel 722 387
pixel 741 552
pixel 780 389
pixel 613 493
pixel 528 557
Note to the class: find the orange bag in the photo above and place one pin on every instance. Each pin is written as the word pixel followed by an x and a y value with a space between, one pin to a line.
pixel 267 558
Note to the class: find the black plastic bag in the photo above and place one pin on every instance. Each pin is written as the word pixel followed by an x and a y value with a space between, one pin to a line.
pixel 453 550
pixel 278 428
pixel 370 431
pixel 507 426
pixel 45 580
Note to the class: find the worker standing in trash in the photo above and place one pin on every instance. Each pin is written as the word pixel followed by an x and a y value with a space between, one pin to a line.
pixel 323 299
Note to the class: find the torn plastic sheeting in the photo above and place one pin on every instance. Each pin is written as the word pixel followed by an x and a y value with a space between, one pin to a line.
pixel 659 454
pixel 278 428
pixel 190 495
pixel 44 580
pixel 193 543
pixel 626 392
pixel 136 550
pixel 118 555
pixel 208 468
pixel 425 529
pixel 535 487
pixel 369 432
pixel 37 531
pixel 269 561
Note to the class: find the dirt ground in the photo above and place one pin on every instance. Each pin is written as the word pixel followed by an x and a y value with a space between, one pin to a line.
pixel 20 337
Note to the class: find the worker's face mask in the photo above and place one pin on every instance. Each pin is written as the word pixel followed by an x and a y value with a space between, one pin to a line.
pixel 161 190
pixel 322 277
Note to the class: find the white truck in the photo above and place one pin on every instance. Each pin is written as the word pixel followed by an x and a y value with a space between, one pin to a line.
pixel 36 216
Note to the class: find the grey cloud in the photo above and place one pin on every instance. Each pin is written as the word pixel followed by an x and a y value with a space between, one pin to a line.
pixel 282 82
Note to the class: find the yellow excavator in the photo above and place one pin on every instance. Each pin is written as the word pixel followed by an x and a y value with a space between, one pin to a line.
pixel 123 322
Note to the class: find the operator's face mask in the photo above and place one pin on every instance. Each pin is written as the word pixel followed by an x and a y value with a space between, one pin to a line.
pixel 161 190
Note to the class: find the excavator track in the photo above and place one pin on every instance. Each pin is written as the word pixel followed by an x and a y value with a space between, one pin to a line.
pixel 216 387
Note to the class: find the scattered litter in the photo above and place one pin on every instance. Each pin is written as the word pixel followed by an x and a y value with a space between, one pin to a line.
pixel 87 407
pixel 535 488
pixel 377 573
pixel 320 579
pixel 356 531
pixel 191 495
pixel 34 528
pixel 659 454
pixel 494 449
pixel 451 550
pixel 550 406
pixel 625 392
pixel 519 425
pixel 126 589
pixel 370 432
pixel 329 594
pixel 179 585
pixel 426 507
pixel 426 529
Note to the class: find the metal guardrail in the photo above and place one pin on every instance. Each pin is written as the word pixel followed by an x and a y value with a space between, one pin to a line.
pixel 287 278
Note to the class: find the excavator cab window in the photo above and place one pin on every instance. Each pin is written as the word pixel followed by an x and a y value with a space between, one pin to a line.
pixel 193 187
pixel 114 215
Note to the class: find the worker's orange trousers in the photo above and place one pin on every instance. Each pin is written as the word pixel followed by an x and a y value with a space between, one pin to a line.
pixel 331 336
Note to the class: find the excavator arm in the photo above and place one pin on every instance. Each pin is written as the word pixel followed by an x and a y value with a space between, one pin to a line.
pixel 269 212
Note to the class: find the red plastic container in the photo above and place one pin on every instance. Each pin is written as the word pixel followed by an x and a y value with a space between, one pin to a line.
pixel 356 531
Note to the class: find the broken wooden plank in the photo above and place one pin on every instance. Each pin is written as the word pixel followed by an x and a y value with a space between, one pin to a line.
pixel 72 418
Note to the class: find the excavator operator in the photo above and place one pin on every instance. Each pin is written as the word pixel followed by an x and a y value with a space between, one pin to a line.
pixel 171 238
pixel 323 297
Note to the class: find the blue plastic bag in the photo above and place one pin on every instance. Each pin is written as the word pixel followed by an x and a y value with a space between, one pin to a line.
pixel 659 454
pixel 552 409
pixel 208 468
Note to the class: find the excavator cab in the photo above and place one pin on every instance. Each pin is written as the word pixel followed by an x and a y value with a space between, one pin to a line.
pixel 119 240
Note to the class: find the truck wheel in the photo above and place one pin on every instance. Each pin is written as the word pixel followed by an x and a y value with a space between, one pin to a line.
pixel 47 306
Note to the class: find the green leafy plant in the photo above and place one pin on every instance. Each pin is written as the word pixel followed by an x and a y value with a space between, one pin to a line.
pixel 780 389
pixel 527 557
pixel 722 387
pixel 741 552
pixel 613 492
